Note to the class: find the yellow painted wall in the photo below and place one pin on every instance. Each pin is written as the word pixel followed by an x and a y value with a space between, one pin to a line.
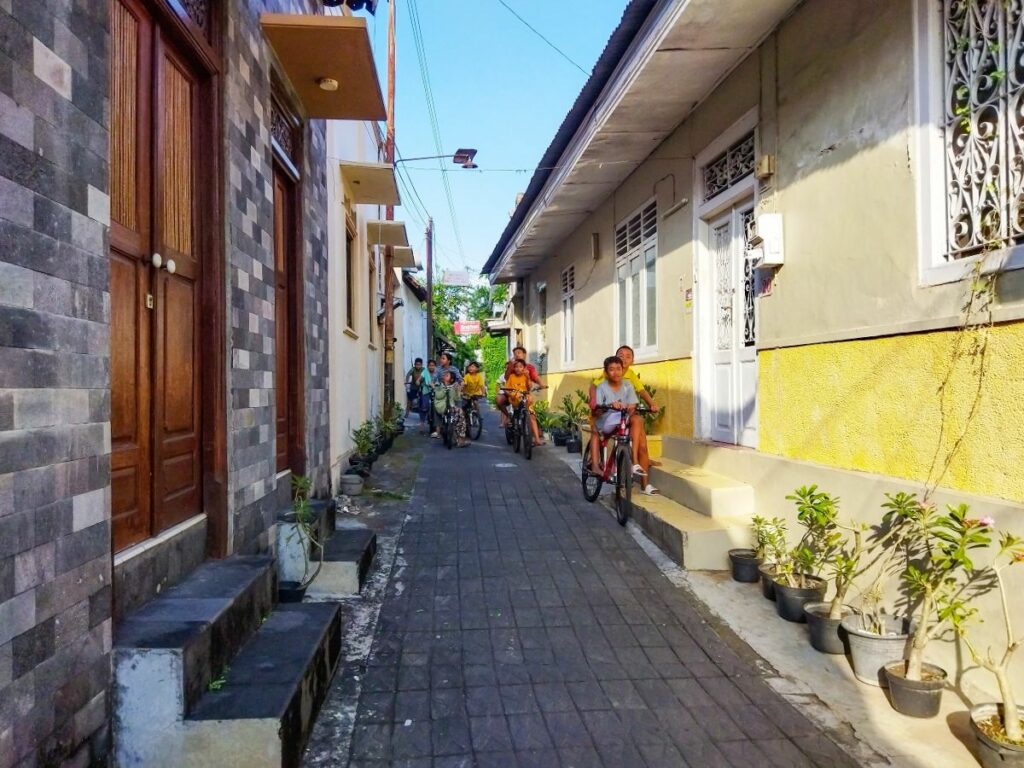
pixel 874 405
pixel 673 380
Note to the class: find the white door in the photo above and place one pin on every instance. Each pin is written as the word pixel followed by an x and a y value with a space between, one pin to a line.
pixel 731 343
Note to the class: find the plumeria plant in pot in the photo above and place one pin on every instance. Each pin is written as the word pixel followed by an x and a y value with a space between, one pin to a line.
pixel 999 727
pixel 363 436
pixel 940 584
pixel 304 533
pixel 746 561
pixel 876 636
pixel 770 538
pixel 797 579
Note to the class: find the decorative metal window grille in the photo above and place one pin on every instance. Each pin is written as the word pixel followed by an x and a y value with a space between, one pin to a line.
pixel 722 248
pixel 733 165
pixel 640 227
pixel 568 280
pixel 749 285
pixel 199 12
pixel 282 129
pixel 984 124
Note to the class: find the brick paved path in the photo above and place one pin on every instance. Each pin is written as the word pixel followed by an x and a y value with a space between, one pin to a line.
pixel 525 627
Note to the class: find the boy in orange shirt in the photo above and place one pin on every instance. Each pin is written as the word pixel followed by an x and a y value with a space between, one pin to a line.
pixel 519 380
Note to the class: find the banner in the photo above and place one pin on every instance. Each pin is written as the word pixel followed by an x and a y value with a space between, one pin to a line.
pixel 467 327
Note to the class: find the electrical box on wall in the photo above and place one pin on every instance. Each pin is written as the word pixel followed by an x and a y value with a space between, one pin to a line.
pixel 764 240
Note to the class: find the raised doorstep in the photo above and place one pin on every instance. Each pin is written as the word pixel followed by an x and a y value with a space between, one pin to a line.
pixel 694 541
pixel 705 492
pixel 347 559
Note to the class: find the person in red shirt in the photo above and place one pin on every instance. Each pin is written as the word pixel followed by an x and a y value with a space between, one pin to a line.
pixel 518 353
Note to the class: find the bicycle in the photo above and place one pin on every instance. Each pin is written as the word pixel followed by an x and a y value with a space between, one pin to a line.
pixel 618 465
pixel 447 426
pixel 474 423
pixel 517 431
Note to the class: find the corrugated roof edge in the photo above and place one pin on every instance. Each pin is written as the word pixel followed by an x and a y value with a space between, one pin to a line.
pixel 633 19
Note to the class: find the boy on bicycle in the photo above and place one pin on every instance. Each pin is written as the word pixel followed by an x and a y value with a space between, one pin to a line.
pixel 473 385
pixel 520 383
pixel 614 392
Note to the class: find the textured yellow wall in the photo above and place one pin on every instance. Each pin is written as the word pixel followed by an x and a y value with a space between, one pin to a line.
pixel 673 380
pixel 874 405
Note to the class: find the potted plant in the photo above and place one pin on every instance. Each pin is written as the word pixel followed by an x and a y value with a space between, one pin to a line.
pixel 384 429
pixel 875 636
pixel 302 534
pixel 364 454
pixel 796 582
pixel 998 727
pixel 651 419
pixel 575 410
pixel 773 535
pixel 940 583
pixel 745 562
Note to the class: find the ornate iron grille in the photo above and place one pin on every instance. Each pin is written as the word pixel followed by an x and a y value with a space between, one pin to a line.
pixel 282 129
pixel 724 289
pixel 199 12
pixel 984 124
pixel 749 286
pixel 733 165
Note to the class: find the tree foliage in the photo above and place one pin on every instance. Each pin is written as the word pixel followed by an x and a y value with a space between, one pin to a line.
pixel 452 303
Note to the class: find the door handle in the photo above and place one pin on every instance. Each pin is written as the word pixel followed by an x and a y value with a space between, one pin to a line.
pixel 158 261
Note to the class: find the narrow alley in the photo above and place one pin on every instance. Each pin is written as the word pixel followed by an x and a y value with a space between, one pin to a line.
pixel 523 627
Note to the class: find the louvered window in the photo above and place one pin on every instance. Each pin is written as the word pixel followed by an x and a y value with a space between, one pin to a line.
pixel 636 251
pixel 568 314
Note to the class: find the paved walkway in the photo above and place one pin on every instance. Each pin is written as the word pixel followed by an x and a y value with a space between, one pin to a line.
pixel 523 627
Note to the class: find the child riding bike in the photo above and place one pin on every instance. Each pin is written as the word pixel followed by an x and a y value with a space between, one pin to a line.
pixel 608 398
pixel 473 385
pixel 518 385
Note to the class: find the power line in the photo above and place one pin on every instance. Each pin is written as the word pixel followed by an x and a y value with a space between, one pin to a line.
pixel 421 56
pixel 535 31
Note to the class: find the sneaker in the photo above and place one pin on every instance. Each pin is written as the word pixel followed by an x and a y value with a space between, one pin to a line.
pixel 638 470
pixel 435 435
pixel 650 490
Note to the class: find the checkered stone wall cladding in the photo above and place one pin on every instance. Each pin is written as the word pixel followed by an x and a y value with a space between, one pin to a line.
pixel 55 545
pixel 55 625
pixel 249 198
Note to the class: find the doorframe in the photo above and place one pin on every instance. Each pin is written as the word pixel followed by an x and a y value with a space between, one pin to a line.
pixel 703 214
pixel 291 165
pixel 205 48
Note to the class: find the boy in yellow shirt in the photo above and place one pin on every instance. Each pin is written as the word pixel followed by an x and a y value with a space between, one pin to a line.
pixel 473 382
pixel 519 381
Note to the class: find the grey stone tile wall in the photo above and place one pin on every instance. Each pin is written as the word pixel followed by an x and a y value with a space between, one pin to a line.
pixel 249 198
pixel 55 563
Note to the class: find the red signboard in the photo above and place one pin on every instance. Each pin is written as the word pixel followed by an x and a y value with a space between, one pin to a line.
pixel 467 327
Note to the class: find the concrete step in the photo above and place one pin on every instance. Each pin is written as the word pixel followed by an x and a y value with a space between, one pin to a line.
pixel 166 653
pixel 347 559
pixel 265 708
pixel 693 540
pixel 705 492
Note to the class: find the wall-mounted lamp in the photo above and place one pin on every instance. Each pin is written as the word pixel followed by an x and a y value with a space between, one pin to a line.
pixel 327 84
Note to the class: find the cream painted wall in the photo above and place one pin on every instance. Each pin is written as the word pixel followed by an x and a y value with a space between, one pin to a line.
pixel 355 359
pixel 842 94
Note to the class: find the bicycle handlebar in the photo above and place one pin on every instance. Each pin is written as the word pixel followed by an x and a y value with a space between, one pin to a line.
pixel 636 409
pixel 521 391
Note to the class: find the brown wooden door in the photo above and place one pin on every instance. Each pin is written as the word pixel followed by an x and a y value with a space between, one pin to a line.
pixel 283 229
pixel 155 424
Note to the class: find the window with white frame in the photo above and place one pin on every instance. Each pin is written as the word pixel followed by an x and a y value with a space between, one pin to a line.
pixel 568 314
pixel 983 124
pixel 971 88
pixel 636 252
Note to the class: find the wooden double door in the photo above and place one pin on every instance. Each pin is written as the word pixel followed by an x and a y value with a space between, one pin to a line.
pixel 158 251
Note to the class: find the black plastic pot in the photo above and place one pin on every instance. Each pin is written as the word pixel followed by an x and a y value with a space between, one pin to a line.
pixel 573 445
pixel 789 601
pixel 916 698
pixel 290 592
pixel 992 753
pixel 560 437
pixel 745 563
pixel 359 469
pixel 767 571
pixel 826 635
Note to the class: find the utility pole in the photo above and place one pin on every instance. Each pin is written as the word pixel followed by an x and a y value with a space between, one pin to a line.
pixel 389 253
pixel 430 287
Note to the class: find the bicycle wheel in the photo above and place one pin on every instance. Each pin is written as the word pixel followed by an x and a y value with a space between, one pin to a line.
pixel 447 428
pixel 590 480
pixel 623 485
pixel 510 433
pixel 527 435
pixel 476 424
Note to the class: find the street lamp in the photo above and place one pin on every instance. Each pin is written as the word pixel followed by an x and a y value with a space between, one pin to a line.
pixel 463 157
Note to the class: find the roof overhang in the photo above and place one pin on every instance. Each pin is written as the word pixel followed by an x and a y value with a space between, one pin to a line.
pixel 387 233
pixel 316 49
pixel 371 183
pixel 498 326
pixel 403 258
pixel 680 55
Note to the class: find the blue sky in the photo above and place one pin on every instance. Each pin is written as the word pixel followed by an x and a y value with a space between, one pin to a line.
pixel 497 87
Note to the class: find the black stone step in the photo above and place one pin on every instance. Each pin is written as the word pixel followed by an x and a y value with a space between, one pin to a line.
pixel 204 619
pixel 347 559
pixel 277 682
